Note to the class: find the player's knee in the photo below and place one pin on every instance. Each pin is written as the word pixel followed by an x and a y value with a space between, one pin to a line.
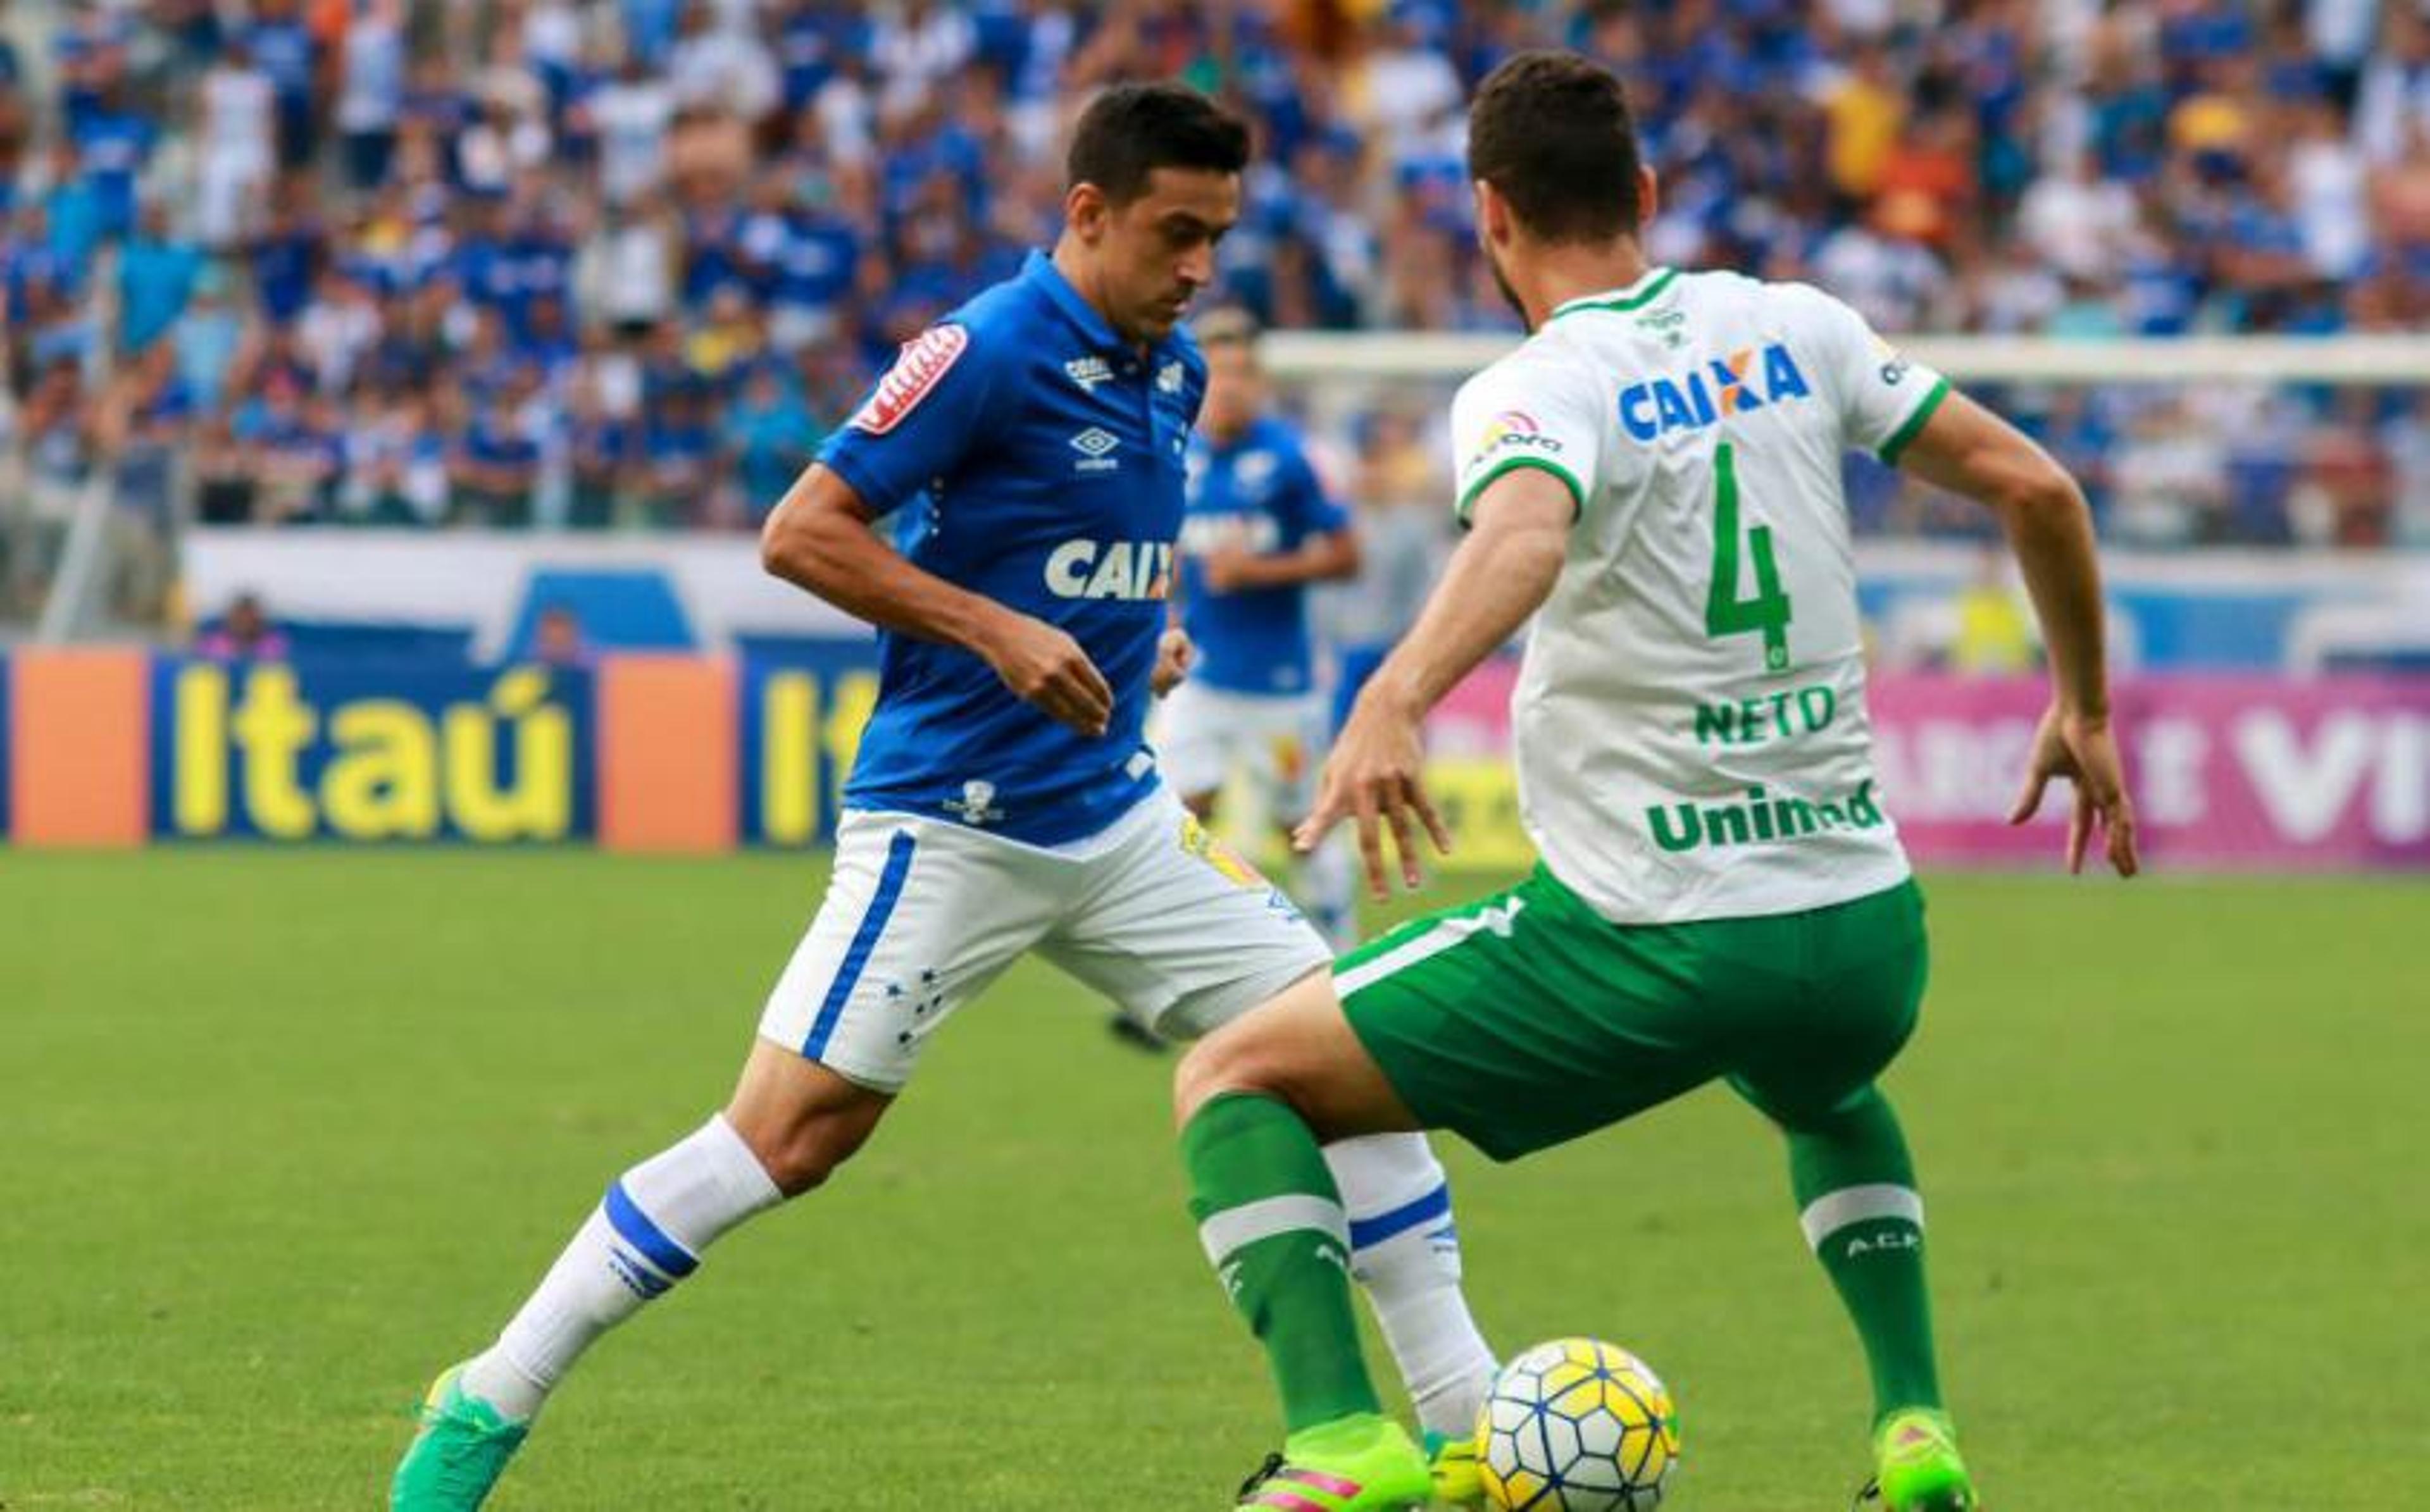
pixel 1223 1063
pixel 804 1159
pixel 801 1152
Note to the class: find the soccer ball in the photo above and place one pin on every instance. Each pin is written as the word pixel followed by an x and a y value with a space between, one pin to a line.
pixel 1578 1425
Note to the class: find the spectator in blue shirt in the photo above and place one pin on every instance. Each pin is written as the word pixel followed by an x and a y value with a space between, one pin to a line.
pixel 680 454
pixel 27 260
pixel 282 47
pixel 73 210
pixel 770 436
pixel 546 340
pixel 157 274
pixel 601 452
pixel 286 258
pixel 113 142
pixel 497 462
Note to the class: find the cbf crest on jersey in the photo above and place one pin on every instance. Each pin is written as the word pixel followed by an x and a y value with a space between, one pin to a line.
pixel 1747 379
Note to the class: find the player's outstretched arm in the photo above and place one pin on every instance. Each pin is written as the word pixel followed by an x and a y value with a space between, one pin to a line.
pixel 1500 575
pixel 817 538
pixel 1331 557
pixel 1966 449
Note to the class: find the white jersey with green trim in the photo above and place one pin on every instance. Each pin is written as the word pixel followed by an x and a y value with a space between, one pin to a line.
pixel 1690 722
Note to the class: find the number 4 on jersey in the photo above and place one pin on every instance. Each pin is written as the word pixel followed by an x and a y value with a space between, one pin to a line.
pixel 1725 613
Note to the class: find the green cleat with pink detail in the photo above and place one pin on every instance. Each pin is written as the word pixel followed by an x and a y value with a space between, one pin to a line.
pixel 1362 1463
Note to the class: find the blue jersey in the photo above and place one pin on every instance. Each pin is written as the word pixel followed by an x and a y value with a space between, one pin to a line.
pixel 1045 454
pixel 1254 492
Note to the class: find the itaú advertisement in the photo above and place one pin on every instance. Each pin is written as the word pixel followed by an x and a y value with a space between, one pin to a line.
pixel 283 752
pixel 2255 773
pixel 802 710
pixel 685 752
pixel 111 746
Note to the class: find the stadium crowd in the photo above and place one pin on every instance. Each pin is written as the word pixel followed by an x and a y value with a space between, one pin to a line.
pixel 623 262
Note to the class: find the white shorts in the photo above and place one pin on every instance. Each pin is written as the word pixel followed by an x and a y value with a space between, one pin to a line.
pixel 1205 734
pixel 921 914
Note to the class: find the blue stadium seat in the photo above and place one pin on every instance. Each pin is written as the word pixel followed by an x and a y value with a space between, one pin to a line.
pixel 633 609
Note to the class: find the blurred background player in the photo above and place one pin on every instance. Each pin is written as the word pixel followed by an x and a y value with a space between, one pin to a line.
pixel 1260 531
pixel 1657 470
pixel 1003 799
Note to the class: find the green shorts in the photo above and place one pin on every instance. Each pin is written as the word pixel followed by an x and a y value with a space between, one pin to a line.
pixel 1529 1018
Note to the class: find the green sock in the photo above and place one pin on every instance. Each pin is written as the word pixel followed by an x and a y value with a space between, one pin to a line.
pixel 1857 1204
pixel 1274 1228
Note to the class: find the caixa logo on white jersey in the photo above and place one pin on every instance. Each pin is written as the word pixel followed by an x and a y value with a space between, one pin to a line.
pixel 1110 570
pixel 1748 379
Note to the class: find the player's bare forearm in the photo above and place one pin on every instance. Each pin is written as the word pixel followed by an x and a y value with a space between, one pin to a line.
pixel 818 539
pixel 1501 574
pixel 1325 559
pixel 2054 545
pixel 1966 449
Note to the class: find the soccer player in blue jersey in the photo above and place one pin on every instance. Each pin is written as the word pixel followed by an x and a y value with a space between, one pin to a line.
pixel 1003 799
pixel 1259 532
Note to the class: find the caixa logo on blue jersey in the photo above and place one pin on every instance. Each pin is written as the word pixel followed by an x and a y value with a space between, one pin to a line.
pixel 1745 380
pixel 1110 570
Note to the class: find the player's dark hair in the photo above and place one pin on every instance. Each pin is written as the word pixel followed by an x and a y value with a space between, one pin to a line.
pixel 1552 133
pixel 1131 130
pixel 1226 326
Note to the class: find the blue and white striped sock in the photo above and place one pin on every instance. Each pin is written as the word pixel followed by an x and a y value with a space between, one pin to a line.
pixel 645 1234
pixel 1404 1253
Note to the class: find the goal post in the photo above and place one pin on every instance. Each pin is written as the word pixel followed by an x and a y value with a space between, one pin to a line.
pixel 2372 360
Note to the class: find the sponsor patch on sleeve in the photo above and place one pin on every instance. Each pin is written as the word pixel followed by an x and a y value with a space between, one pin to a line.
pixel 918 368
pixel 1512 430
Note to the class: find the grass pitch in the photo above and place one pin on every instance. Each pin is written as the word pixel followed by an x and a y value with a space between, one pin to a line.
pixel 287 1131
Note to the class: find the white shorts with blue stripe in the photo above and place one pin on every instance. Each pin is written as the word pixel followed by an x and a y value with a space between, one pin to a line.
pixel 1204 735
pixel 921 915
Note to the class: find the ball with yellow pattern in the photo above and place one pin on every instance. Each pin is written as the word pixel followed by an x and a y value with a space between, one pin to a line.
pixel 1578 1425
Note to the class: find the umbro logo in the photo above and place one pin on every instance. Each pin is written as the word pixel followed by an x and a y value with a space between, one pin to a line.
pixel 1088 372
pixel 1094 446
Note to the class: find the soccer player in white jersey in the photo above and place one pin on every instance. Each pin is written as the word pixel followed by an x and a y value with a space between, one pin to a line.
pixel 1655 476
pixel 1260 530
pixel 1003 799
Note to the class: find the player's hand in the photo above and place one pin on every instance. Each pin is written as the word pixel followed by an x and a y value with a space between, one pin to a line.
pixel 1375 776
pixel 1225 568
pixel 2085 753
pixel 1174 655
pixel 1045 667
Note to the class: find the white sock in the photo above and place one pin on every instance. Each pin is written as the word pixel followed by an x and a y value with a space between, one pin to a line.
pixel 1405 1251
pixel 1325 883
pixel 646 1236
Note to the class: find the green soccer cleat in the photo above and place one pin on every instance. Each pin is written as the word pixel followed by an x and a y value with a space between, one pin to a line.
pixel 1362 1463
pixel 1916 1465
pixel 459 1453
pixel 1452 1462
